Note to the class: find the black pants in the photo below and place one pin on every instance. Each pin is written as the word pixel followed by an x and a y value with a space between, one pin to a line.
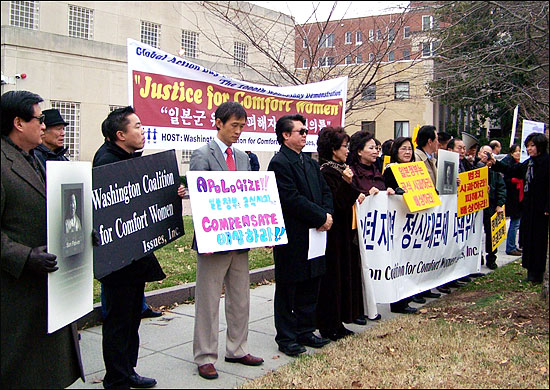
pixel 295 309
pixel 491 256
pixel 120 332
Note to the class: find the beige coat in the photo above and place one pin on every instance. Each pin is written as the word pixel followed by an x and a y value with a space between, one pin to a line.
pixel 431 164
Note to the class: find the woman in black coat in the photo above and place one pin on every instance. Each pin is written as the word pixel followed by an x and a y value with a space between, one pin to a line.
pixel 341 295
pixel 514 199
pixel 536 204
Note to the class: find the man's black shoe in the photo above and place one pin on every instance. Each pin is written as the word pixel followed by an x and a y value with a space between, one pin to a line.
pixel 292 349
pixel 150 313
pixel 406 310
pixel 141 382
pixel 456 284
pixel 466 279
pixel 313 341
pixel 430 294
pixel 361 320
pixel 418 299
pixel 444 289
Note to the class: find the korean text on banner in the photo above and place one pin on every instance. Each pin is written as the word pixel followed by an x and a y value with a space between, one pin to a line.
pixel 235 210
pixel 405 253
pixel 419 189
pixel 473 192
pixel 176 101
pixel 135 213
pixel 498 229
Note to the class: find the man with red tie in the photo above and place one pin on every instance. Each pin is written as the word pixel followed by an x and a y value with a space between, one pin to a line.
pixel 227 267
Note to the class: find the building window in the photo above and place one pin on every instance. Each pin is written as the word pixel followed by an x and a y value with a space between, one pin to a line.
pixel 113 107
pixel 326 61
pixel 400 129
pixel 359 58
pixel 371 57
pixel 391 56
pixel 349 59
pixel 70 111
pixel 401 90
pixel 24 14
pixel 358 37
pixel 81 22
pixel 240 54
pixel 304 43
pixel 406 32
pixel 406 54
pixel 427 22
pixel 378 35
pixel 391 35
pixel 150 33
pixel 369 126
pixel 369 93
pixel 189 44
pixel 348 38
pixel 186 156
pixel 326 40
pixel 305 63
pixel 371 35
pixel 429 49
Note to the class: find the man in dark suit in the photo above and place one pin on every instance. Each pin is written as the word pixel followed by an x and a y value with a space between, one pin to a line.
pixel 228 267
pixel 31 358
pixel 306 202
pixel 53 139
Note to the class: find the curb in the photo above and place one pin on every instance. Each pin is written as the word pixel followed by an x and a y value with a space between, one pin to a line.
pixel 171 295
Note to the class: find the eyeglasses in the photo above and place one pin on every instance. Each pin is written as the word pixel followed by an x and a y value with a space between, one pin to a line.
pixel 405 149
pixel 40 118
pixel 301 131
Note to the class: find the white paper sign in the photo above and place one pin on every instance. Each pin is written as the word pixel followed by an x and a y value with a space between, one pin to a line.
pixel 235 210
pixel 404 253
pixel 69 222
pixel 317 244
pixel 528 128
pixel 447 172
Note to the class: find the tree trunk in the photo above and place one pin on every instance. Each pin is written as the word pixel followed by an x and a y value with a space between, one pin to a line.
pixel 544 291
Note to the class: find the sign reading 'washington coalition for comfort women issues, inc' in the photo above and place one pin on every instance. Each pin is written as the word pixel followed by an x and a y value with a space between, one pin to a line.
pixel 136 209
pixel 235 210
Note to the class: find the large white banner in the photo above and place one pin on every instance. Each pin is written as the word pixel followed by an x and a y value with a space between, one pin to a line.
pixel 69 223
pixel 235 210
pixel 176 101
pixel 404 253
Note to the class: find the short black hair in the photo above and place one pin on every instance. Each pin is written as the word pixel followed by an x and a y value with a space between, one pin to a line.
pixel 228 109
pixel 426 133
pixel 117 120
pixel 514 147
pixel 539 140
pixel 17 104
pixel 386 147
pixel 285 125
pixel 451 144
pixel 443 136
pixel 395 149
pixel 356 143
pixel 330 139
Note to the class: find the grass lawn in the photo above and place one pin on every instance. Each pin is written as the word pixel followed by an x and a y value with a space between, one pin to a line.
pixel 492 333
pixel 179 261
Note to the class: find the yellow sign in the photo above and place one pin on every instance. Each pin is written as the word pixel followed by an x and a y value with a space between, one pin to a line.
pixel 415 136
pixel 473 192
pixel 387 160
pixel 498 229
pixel 419 189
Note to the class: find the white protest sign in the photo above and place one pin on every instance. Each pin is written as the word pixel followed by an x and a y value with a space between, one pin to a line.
pixel 528 128
pixel 404 253
pixel 235 210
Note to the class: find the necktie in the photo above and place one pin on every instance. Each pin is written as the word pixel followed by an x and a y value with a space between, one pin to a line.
pixel 229 160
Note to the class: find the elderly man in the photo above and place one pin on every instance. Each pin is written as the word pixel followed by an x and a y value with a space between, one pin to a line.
pixel 31 358
pixel 52 148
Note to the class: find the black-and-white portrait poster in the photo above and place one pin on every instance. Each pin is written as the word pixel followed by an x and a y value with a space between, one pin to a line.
pixel 447 172
pixel 73 235
pixel 69 222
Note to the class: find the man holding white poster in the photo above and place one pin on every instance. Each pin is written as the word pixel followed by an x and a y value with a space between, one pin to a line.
pixel 227 267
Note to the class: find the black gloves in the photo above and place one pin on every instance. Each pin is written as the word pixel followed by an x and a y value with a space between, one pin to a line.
pixel 40 261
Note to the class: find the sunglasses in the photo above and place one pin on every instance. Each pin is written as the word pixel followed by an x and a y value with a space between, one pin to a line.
pixel 40 118
pixel 301 131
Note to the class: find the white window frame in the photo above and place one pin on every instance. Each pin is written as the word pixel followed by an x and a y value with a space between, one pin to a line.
pixel 304 63
pixel 359 58
pixel 186 156
pixel 304 43
pixel 427 24
pixel 349 59
pixel 81 22
pixel 190 43
pixel 371 57
pixel 406 32
pixel 348 38
pixel 400 129
pixel 70 111
pixel 378 34
pixel 391 56
pixel 326 40
pixel 401 93
pixel 23 15
pixel 408 52
pixel 371 35
pixel 391 36
pixel 326 61
pixel 240 54
pixel 358 38
pixel 150 33
pixel 369 92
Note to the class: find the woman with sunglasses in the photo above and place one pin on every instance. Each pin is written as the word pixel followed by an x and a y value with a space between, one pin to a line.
pixel 341 294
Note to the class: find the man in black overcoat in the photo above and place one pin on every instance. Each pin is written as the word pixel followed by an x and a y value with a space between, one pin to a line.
pixel 306 202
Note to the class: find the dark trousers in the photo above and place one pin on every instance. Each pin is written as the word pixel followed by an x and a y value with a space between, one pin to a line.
pixel 491 256
pixel 295 309
pixel 123 304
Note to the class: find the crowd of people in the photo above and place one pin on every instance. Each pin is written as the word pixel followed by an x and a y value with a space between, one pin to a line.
pixel 322 293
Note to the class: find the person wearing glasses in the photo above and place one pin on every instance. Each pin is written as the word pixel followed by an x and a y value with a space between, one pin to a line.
pixel 30 357
pixel 306 203
pixel 52 141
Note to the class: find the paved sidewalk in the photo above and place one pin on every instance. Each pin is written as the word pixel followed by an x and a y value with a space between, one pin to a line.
pixel 166 344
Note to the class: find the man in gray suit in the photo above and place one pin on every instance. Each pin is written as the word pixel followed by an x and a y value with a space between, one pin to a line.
pixel 31 358
pixel 228 267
